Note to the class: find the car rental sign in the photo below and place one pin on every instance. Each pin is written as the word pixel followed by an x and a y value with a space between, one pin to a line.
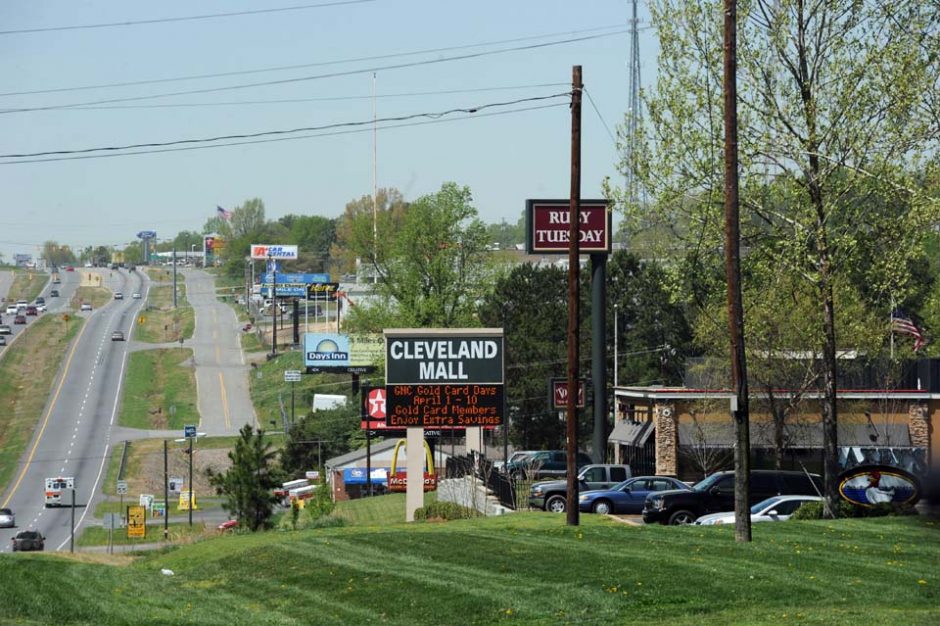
pixel 444 378
pixel 547 226
pixel 266 251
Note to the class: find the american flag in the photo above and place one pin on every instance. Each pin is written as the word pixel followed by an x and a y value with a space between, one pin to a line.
pixel 901 323
pixel 225 215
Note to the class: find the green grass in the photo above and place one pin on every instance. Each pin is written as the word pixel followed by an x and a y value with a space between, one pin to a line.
pixel 27 373
pixel 162 274
pixel 27 284
pixel 97 296
pixel 265 390
pixel 523 568
pixel 156 382
pixel 98 536
pixel 377 511
pixel 160 322
pixel 114 506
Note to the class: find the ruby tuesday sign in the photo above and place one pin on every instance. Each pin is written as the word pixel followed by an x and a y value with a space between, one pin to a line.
pixel 548 223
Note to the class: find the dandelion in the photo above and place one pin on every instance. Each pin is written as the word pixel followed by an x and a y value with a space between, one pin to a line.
pixel 921 582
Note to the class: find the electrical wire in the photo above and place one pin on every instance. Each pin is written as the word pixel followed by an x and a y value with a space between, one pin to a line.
pixel 185 18
pixel 282 68
pixel 270 133
pixel 299 79
pixel 600 117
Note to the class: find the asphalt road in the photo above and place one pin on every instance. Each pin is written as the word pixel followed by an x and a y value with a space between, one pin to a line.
pixel 73 437
pixel 6 281
pixel 221 373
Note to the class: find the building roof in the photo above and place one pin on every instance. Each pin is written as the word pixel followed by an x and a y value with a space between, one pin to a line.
pixel 355 455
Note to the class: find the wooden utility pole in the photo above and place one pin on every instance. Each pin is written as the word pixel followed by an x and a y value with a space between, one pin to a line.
pixel 739 406
pixel 571 425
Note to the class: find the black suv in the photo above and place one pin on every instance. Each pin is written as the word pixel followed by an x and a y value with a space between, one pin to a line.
pixel 28 540
pixel 545 464
pixel 716 494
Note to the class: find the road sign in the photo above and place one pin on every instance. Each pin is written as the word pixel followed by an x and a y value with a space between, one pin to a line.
pixel 136 522
pixel 189 431
pixel 291 376
pixel 122 487
pixel 141 319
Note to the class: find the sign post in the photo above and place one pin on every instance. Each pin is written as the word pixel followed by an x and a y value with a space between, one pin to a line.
pixel 292 376
pixel 189 432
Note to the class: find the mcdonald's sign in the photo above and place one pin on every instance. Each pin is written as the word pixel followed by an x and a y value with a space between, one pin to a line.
pixel 398 481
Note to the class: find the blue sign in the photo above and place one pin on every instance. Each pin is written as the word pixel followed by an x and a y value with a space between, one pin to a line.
pixel 326 350
pixel 189 431
pixel 307 279
pixel 357 475
pixel 147 234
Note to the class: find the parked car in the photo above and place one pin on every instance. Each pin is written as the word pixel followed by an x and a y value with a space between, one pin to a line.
pixel 231 524
pixel 69 268
pixel 716 493
pixel 86 306
pixel 552 495
pixel 545 464
pixel 7 519
pixel 19 319
pixel 28 540
pixel 5 330
pixel 776 509
pixel 32 310
pixel 41 308
pixel 628 496
pixel 515 456
pixel 117 335
pixel 54 293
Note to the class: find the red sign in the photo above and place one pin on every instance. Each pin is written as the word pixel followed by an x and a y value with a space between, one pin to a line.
pixel 376 403
pixel 559 388
pixel 399 482
pixel 548 222
pixel 444 406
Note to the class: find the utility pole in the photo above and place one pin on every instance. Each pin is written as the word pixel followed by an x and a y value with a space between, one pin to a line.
pixel 272 266
pixel 191 490
pixel 166 495
pixel 739 406
pixel 174 277
pixel 571 426
pixel 72 535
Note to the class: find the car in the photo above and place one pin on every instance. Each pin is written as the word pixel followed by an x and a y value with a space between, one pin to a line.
pixel 627 497
pixel 7 519
pixel 552 495
pixel 545 464
pixel 22 304
pixel 12 309
pixel 56 281
pixel 5 329
pixel 515 456
pixel 31 310
pixel 716 493
pixel 19 319
pixel 69 268
pixel 118 295
pixel 136 295
pixel 88 264
pixel 40 300
pixel 54 293
pixel 41 308
pixel 26 540
pixel 86 306
pixel 3 340
pixel 117 335
pixel 775 509
pixel 231 524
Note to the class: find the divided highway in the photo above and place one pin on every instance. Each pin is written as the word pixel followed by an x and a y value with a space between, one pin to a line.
pixel 73 437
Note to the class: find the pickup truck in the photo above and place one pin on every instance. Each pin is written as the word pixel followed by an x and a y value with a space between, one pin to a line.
pixel 550 495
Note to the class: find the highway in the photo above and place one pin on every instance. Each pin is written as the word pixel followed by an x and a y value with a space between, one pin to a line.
pixel 73 436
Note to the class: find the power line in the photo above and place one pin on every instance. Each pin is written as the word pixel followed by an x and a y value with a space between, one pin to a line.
pixel 409 94
pixel 601 117
pixel 277 139
pixel 268 133
pixel 299 79
pixel 185 18
pixel 282 68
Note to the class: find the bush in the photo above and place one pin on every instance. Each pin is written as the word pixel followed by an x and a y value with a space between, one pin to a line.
pixel 815 510
pixel 445 511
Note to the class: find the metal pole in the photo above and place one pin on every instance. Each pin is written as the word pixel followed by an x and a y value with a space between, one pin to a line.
pixel 273 268
pixel 166 495
pixel 72 535
pixel 599 353
pixel 616 342
pixel 368 456
pixel 571 426
pixel 292 403
pixel 174 277
pixel 190 507
pixel 742 448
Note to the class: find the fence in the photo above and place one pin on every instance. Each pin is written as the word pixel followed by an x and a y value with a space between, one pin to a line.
pixel 499 484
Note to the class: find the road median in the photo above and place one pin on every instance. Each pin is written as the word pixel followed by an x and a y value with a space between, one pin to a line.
pixel 159 390
pixel 160 322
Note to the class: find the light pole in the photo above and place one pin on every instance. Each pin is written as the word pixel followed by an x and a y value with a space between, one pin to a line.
pixel 616 342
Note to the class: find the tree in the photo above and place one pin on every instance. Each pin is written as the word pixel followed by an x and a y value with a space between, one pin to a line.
pixel 836 110
pixel 505 235
pixel 247 486
pixel 364 231
pixel 314 235
pixel 57 254
pixel 319 436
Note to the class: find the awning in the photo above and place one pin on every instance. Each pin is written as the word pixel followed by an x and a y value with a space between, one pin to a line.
pixel 631 433
pixel 357 475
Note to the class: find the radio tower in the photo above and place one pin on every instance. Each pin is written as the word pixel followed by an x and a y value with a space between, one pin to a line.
pixel 635 111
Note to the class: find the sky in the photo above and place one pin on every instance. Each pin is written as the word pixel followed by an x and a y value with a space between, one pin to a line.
pixel 503 158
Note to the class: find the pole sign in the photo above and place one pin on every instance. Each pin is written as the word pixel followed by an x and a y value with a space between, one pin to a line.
pixel 291 376
pixel 273 251
pixel 136 522
pixel 342 354
pixel 558 393
pixel 189 431
pixel 310 286
pixel 547 226
pixel 444 378
pixel 147 234
pixel 373 416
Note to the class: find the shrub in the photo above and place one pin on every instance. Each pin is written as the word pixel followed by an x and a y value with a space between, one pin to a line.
pixel 445 511
pixel 815 510
pixel 321 504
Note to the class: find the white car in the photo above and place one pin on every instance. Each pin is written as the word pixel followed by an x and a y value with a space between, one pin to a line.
pixel 41 308
pixel 86 306
pixel 775 509
pixel 12 309
pixel 136 295
pixel 7 519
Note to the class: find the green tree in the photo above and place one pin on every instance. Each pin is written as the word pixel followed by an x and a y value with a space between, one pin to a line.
pixel 313 235
pixel 506 236
pixel 247 486
pixel 836 110
pixel 365 231
pixel 319 436
pixel 57 254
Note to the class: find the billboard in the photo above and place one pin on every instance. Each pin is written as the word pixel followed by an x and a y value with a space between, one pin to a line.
pixel 444 378
pixel 273 251
pixel 338 353
pixel 212 246
pixel 558 393
pixel 309 286
pixel 547 226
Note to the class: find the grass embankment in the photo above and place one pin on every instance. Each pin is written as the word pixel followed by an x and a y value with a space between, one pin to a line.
pixel 97 296
pixel 377 511
pixel 161 322
pixel 179 533
pixel 162 274
pixel 27 372
pixel 523 568
pixel 27 284
pixel 159 392
pixel 266 387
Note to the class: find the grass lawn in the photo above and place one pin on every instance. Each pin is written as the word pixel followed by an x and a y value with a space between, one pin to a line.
pixel 98 536
pixel 377 511
pixel 27 372
pixel 27 284
pixel 161 322
pixel 265 390
pixel 159 393
pixel 97 296
pixel 526 568
pixel 164 274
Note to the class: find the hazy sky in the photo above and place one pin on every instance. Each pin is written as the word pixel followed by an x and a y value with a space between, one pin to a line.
pixel 504 159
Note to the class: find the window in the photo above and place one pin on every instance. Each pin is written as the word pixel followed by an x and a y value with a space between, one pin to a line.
pixel 788 507
pixel 618 474
pixel 594 475
pixel 764 484
pixel 661 485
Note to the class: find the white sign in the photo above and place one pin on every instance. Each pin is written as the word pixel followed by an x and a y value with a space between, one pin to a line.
pixel 291 376
pixel 145 500
pixel 312 475
pixel 122 487
pixel 176 484
pixel 263 251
